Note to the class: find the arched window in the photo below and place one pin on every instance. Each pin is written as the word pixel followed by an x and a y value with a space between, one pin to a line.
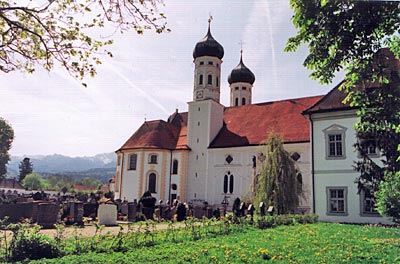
pixel 225 183
pixel 175 167
pixel 236 101
pixel 299 182
pixel 243 101
pixel 231 184
pixel 153 159
pixel 209 81
pixel 228 182
pixel 152 182
pixel 201 79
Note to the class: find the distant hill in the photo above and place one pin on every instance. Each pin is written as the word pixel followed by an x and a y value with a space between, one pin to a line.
pixel 101 174
pixel 54 164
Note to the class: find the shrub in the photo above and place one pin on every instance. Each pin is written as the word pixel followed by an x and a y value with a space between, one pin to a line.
pixel 27 243
pixel 265 222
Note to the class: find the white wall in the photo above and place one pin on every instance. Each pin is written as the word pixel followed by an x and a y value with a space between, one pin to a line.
pixel 337 172
pixel 242 169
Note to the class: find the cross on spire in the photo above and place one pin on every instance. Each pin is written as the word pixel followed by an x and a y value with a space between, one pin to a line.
pixel 210 18
pixel 241 46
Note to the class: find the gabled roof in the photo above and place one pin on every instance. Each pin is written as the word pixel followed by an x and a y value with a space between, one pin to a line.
pixel 159 134
pixel 10 184
pixel 251 124
pixel 332 101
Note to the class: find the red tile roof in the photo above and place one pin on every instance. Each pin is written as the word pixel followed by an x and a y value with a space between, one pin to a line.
pixel 251 124
pixel 243 126
pixel 79 187
pixel 332 101
pixel 160 134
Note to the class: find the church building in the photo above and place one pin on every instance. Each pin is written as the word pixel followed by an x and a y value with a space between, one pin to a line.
pixel 212 153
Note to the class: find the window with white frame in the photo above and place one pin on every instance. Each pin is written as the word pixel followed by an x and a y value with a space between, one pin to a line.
pixel 336 200
pixel 335 142
pixel 367 204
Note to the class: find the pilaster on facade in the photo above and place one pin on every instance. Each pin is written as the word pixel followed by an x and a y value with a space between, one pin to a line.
pixel 141 174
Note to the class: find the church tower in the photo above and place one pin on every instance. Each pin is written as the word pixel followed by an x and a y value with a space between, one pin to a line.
pixel 207 56
pixel 205 115
pixel 241 81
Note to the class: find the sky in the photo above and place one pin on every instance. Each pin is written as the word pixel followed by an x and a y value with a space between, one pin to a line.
pixel 151 75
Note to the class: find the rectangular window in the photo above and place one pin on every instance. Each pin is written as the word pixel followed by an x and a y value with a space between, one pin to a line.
pixel 369 146
pixel 368 204
pixel 335 144
pixel 132 162
pixel 337 200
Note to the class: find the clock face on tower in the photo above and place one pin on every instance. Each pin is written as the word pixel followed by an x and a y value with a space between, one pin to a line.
pixel 199 94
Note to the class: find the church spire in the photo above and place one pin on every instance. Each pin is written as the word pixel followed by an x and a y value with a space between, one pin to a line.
pixel 241 81
pixel 207 56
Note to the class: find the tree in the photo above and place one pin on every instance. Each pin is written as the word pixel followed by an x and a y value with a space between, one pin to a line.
pixel 277 184
pixel 352 36
pixel 42 33
pixel 34 181
pixel 25 167
pixel 6 139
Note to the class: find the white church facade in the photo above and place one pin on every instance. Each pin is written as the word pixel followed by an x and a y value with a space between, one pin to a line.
pixel 213 153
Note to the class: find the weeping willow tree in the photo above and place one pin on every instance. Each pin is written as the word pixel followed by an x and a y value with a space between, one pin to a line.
pixel 277 183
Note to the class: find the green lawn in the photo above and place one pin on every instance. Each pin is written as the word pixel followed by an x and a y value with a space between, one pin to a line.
pixel 301 243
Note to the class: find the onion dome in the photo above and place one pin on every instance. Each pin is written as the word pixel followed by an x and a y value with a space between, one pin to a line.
pixel 241 74
pixel 208 46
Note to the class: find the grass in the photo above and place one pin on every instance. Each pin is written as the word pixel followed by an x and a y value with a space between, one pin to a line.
pixel 301 243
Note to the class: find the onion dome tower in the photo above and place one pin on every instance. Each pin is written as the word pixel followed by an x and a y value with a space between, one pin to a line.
pixel 207 56
pixel 241 81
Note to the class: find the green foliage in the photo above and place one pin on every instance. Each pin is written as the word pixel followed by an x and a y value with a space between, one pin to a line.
pixel 388 196
pixel 42 34
pixel 277 183
pixel 313 243
pixel 343 34
pixel 25 167
pixel 34 181
pixel 28 244
pixel 6 139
